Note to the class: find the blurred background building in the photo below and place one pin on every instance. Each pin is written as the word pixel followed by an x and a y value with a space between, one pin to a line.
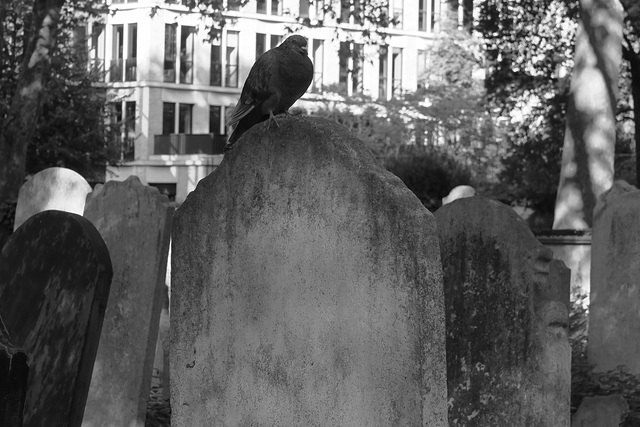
pixel 171 87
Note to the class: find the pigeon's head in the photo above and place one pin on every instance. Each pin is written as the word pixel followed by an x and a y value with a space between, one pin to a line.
pixel 297 43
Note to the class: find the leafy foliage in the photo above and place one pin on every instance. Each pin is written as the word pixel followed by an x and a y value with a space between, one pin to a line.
pixel 72 129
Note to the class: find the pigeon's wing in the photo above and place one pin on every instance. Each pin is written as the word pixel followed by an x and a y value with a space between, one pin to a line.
pixel 257 88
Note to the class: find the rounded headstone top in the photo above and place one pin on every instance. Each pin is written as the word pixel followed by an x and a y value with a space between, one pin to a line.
pixel 458 193
pixel 51 189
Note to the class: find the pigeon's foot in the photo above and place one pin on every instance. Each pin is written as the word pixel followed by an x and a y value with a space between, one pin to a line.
pixel 272 117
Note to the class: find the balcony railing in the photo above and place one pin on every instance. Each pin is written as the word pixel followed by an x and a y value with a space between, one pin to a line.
pixel 131 68
pixel 216 74
pixel 186 71
pixel 207 143
pixel 97 66
pixel 115 71
pixel 317 82
pixel 232 75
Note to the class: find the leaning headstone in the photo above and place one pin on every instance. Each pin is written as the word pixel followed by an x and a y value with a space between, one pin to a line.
pixel 600 411
pixel 51 189
pixel 135 222
pixel 508 355
pixel 14 372
pixel 306 289
pixel 614 309
pixel 55 274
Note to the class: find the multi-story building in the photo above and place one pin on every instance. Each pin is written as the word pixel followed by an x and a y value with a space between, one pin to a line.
pixel 172 88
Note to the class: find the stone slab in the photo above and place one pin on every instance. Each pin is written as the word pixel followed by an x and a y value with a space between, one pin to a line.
pixel 508 354
pixel 135 222
pixel 55 274
pixel 306 289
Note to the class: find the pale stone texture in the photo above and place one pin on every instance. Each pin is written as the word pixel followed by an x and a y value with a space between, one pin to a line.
pixel 574 249
pixel 508 354
pixel 55 274
pixel 614 310
pixel 600 411
pixel 135 222
pixel 306 289
pixel 458 193
pixel 51 189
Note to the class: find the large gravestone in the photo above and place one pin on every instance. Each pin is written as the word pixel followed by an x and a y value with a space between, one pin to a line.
pixel 55 274
pixel 14 372
pixel 508 355
pixel 306 289
pixel 614 309
pixel 135 222
pixel 51 189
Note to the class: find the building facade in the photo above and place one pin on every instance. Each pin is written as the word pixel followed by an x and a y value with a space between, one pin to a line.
pixel 171 88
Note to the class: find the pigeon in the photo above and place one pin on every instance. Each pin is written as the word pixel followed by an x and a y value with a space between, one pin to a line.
pixel 278 78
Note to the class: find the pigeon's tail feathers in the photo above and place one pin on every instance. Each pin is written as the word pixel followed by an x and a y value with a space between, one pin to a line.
pixel 239 113
pixel 235 134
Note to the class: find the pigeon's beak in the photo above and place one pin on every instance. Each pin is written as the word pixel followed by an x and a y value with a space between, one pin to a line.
pixel 305 49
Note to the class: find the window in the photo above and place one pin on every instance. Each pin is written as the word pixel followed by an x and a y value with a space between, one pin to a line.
pixel 317 12
pixel 130 72
pixel 275 41
pixel 345 11
pixel 185 118
pixel 304 8
pixel 117 53
pixel 276 7
pixel 396 71
pixel 216 126
pixel 170 52
pixel 128 143
pixel 422 68
pixel 318 65
pixel 350 58
pixel 233 5
pixel 168 190
pixel 261 6
pixel 231 72
pixel 383 73
pixel 97 50
pixel 427 10
pixel 261 44
pixel 187 34
pixel 216 66
pixel 398 12
pixel 168 118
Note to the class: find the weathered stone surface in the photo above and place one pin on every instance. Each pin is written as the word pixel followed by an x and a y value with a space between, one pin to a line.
pixel 55 274
pixel 508 355
pixel 14 372
pixel 458 193
pixel 135 222
pixel 51 189
pixel 306 289
pixel 614 310
pixel 600 411
pixel 558 286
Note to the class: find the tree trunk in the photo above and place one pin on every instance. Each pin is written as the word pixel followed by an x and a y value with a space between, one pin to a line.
pixel 589 142
pixel 18 127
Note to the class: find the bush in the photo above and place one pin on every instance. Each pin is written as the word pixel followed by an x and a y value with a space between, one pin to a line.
pixel 430 175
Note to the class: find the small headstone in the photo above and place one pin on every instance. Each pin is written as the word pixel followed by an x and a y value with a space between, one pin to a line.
pixel 508 355
pixel 306 289
pixel 55 274
pixel 135 222
pixel 458 193
pixel 600 411
pixel 614 309
pixel 51 189
pixel 14 372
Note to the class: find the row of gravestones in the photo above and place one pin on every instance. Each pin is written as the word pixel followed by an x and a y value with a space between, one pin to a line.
pixel 310 287
pixel 81 296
